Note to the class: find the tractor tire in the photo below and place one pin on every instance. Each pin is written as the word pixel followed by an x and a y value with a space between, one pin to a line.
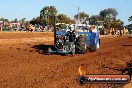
pixel 81 46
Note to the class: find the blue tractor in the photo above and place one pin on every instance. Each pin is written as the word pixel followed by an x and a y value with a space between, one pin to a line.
pixel 70 41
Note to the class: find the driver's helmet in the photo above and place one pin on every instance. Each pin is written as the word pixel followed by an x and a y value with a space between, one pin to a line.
pixel 71 27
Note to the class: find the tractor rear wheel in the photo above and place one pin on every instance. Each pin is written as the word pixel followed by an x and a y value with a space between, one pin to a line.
pixel 81 46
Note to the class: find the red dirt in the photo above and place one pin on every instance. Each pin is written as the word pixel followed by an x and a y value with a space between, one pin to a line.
pixel 24 62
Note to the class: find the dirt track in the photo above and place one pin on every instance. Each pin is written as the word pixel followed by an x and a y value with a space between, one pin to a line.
pixel 24 62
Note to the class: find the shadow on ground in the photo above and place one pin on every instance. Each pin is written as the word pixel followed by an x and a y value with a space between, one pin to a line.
pixel 43 49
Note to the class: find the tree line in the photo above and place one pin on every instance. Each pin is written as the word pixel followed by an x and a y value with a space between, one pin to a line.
pixel 106 16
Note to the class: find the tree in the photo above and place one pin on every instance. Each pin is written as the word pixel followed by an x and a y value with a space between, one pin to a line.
pixel 36 21
pixel 61 18
pixel 130 18
pixel 93 19
pixel 47 14
pixel 117 24
pixel 6 20
pixel 33 21
pixel 2 19
pixel 15 20
pixel 23 20
pixel 82 16
pixel 108 15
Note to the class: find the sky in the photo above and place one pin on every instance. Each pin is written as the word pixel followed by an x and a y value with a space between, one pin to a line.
pixel 12 9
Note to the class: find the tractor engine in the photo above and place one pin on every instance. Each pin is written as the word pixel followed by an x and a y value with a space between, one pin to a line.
pixel 66 42
pixel 60 41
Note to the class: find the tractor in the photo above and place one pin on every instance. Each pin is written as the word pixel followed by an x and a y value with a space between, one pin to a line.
pixel 71 41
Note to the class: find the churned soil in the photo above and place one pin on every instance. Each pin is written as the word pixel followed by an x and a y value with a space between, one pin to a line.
pixel 25 63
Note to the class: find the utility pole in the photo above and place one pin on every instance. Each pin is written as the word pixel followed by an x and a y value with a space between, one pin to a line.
pixel 78 15
pixel 54 30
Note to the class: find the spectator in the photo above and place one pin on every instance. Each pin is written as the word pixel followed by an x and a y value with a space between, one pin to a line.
pixel 0 26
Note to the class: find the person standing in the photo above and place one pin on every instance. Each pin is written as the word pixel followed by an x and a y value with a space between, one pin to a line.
pixel 0 27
